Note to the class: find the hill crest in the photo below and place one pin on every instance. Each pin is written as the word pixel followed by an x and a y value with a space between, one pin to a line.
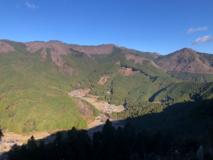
pixel 186 60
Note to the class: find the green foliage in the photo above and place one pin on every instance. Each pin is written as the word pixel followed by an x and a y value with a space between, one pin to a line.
pixel 115 115
pixel 139 88
pixel 191 59
pixel 33 93
pixel 80 62
pixel 179 92
pixel 101 98
pixel 168 118
pixel 147 55
pixel 168 56
pixel 192 77
pixel 95 110
pixel 110 143
pixel 98 90
pixel 107 65
pixel 18 46
pixel 1 134
pixel 129 64
pixel 205 57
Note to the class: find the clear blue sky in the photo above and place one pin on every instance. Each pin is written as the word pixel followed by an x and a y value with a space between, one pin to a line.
pixel 161 26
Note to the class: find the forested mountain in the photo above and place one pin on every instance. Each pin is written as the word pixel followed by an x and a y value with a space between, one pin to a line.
pixel 187 64
pixel 35 78
pixel 115 144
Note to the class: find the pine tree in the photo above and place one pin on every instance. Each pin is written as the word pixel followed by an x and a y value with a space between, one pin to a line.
pixel 109 142
pixel 32 143
pixel 1 133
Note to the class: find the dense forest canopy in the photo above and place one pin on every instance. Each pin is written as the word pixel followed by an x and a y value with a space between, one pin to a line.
pixel 34 84
pixel 115 144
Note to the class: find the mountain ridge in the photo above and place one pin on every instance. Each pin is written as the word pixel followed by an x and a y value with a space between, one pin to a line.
pixel 183 60
pixel 35 78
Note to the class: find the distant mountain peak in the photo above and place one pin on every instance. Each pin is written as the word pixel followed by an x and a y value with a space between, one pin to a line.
pixel 5 48
pixel 186 60
pixel 187 50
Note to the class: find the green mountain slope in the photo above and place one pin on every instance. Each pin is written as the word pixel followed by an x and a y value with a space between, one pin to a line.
pixel 33 93
pixel 36 77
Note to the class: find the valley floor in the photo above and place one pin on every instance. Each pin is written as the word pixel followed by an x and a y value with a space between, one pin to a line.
pixel 103 106
pixel 95 125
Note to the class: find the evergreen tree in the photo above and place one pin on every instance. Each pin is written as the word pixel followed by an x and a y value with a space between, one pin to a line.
pixel 143 143
pixel 108 143
pixel 31 143
pixel 1 133
pixel 157 143
pixel 58 139
pixel 97 144
pixel 58 145
pixel 32 148
pixel 42 155
pixel 120 146
pixel 129 139
pixel 13 153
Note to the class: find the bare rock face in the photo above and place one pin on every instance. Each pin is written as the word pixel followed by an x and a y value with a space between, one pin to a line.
pixel 103 79
pixel 89 50
pixel 84 109
pixel 140 60
pixel 5 48
pixel 153 55
pixel 70 71
pixel 127 71
pixel 156 55
pixel 117 63
pixel 56 50
pixel 185 60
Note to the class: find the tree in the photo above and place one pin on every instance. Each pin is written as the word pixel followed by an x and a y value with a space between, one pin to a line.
pixel 72 134
pixel 59 137
pixel 1 133
pixel 31 143
pixel 157 143
pixel 129 138
pixel 109 147
pixel 58 144
pixel 120 147
pixel 13 153
pixel 97 144
pixel 143 142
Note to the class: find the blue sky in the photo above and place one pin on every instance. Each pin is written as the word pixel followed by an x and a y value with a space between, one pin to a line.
pixel 162 26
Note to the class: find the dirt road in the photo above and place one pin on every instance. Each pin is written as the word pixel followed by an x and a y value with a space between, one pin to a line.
pixel 104 107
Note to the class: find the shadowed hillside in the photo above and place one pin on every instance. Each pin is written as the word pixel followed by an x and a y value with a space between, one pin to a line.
pixel 36 77
pixel 165 136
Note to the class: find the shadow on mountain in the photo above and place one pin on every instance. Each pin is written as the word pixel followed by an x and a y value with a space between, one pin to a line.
pixel 52 138
pixel 182 119
pixel 154 95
